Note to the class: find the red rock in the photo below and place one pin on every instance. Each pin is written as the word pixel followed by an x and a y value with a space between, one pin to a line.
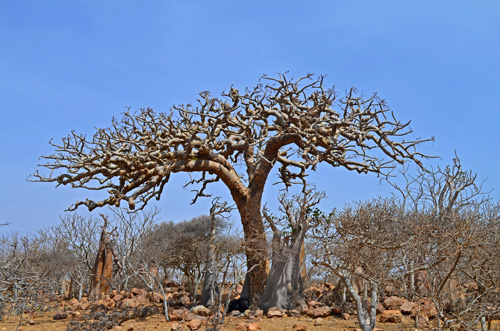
pixel 31 322
pixel 274 312
pixel 184 300
pixel 175 327
pixel 407 307
pixel 135 291
pixel 336 310
pixel 201 310
pixel 314 290
pixel 253 327
pixel 391 316
pixel 299 327
pixel 194 324
pixel 393 303
pixel 190 316
pixel 155 297
pixel 73 301
pixel 178 314
pixel 345 316
pixel 130 328
pixel 314 304
pixel 130 303
pixel 324 311
pixel 256 314
pixel 110 303
pixel 118 297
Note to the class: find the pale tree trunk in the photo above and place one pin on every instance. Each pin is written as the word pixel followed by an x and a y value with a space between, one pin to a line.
pixel 366 311
pixel 209 290
pixel 284 286
pixel 303 268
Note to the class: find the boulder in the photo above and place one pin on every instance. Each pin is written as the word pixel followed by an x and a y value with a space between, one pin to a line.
pixel 393 303
pixel 191 316
pixel 324 311
pixel 118 297
pixel 130 303
pixel 314 304
pixel 407 307
pixel 256 314
pixel 184 300
pixel 178 314
pixel 318 322
pixel 73 301
pixel 274 312
pixel 155 297
pixel 201 310
pixel 336 310
pixel 193 324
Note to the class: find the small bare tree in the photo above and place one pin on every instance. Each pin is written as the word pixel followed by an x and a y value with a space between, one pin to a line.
pixel 362 242
pixel 237 139
pixel 218 209
pixel 453 223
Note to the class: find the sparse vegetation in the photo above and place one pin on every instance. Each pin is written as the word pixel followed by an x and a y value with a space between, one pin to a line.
pixel 426 257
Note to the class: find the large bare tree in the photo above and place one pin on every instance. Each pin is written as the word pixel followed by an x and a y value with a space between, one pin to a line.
pixel 238 139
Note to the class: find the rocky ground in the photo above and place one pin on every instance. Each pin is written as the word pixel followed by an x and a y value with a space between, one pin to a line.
pixel 142 310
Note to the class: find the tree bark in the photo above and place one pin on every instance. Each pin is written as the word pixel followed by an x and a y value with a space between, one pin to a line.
pixel 284 286
pixel 209 288
pixel 255 244
pixel 102 272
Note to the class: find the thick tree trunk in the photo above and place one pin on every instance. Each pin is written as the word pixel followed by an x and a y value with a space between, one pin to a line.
pixel 284 286
pixel 303 268
pixel 255 243
pixel 102 272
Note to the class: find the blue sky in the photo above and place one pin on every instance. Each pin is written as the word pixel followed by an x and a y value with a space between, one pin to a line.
pixel 73 65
